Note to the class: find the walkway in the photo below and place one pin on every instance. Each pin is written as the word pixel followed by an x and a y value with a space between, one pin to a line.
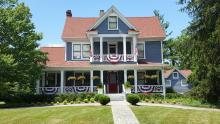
pixel 122 114
pixel 179 106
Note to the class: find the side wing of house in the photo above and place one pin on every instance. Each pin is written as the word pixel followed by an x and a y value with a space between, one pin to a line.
pixel 178 82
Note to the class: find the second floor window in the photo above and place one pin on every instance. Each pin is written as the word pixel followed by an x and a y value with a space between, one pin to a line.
pixel 81 51
pixel 140 48
pixel 112 22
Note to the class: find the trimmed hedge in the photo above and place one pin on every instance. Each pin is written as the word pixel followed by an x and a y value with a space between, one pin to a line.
pixel 133 98
pixel 103 99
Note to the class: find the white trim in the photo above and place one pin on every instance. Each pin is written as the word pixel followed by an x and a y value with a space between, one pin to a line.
pixel 169 83
pixel 177 77
pixel 117 22
pixel 109 11
pixel 135 80
pixel 183 85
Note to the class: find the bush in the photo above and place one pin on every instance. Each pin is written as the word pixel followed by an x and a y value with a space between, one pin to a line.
pixel 133 98
pixel 170 90
pixel 65 102
pixel 85 100
pixel 97 97
pixel 92 100
pixel 103 99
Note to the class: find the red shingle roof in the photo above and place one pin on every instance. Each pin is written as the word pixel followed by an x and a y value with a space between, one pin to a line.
pixel 148 27
pixel 185 72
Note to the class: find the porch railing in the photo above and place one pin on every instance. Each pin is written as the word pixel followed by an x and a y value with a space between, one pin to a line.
pixel 148 88
pixel 113 58
pixel 49 90
pixel 79 89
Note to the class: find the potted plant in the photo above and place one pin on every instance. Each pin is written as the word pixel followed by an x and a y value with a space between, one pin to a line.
pixel 72 78
pixel 127 86
pixel 100 88
pixel 81 78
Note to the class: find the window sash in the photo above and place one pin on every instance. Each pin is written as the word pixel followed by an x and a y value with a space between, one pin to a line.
pixel 112 22
pixel 140 48
pixel 85 50
pixel 168 83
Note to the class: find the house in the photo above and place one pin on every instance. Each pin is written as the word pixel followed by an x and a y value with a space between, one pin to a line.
pixel 109 49
pixel 177 80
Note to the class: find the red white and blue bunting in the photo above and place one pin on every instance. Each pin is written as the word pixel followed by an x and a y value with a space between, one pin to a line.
pixel 148 89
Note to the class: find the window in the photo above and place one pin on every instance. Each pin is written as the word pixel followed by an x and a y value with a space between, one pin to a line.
pixel 81 51
pixel 140 48
pixel 140 77
pixel 112 48
pixel 85 50
pixel 168 83
pixel 112 22
pixel 184 82
pixel 175 75
pixel 76 51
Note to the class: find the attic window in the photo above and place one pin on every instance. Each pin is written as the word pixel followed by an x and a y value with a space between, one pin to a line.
pixel 112 22
pixel 175 75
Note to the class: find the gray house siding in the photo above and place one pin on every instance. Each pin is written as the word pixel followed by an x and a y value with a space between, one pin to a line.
pixel 103 28
pixel 176 83
pixel 153 51
pixel 69 51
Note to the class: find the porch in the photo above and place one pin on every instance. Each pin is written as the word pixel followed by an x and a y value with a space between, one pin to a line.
pixel 78 81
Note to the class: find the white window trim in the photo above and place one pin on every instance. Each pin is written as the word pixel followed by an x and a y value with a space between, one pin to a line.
pixel 117 22
pixel 116 44
pixel 144 49
pixel 177 77
pixel 169 83
pixel 81 56
pixel 183 85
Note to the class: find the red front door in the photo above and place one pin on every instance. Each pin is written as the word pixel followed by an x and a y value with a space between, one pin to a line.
pixel 113 85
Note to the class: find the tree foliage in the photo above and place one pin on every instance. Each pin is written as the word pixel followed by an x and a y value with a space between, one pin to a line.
pixel 20 60
pixel 201 47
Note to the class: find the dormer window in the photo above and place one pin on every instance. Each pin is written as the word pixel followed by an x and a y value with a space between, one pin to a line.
pixel 175 75
pixel 112 22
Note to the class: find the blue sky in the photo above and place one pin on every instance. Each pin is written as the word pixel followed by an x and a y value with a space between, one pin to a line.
pixel 49 15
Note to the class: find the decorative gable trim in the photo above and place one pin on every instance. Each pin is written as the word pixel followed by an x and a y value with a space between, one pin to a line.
pixel 110 10
pixel 178 72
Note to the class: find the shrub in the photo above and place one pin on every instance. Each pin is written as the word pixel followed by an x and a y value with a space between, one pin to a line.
pixel 85 100
pixel 103 99
pixel 92 100
pixel 71 102
pixel 97 97
pixel 170 90
pixel 65 102
pixel 133 98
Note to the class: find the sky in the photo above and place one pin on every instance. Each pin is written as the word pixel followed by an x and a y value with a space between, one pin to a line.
pixel 49 15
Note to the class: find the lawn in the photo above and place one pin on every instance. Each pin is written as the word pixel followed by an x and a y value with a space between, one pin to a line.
pixel 163 115
pixel 57 115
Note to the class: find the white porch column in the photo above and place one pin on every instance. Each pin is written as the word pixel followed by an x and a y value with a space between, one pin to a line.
pixel 38 86
pixel 101 49
pixel 163 83
pixel 125 76
pixel 43 79
pixel 61 81
pixel 135 81
pixel 101 79
pixel 158 79
pixel 91 44
pixel 134 48
pixel 124 48
pixel 91 81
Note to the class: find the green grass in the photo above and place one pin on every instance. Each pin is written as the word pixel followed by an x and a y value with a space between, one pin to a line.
pixel 163 115
pixel 57 115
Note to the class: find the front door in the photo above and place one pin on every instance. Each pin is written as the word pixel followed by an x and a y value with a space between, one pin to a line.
pixel 113 84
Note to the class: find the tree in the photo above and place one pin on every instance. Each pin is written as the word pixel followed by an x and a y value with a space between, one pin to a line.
pixel 203 47
pixel 169 52
pixel 20 60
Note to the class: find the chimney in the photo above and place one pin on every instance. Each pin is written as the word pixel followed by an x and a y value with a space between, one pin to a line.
pixel 101 13
pixel 68 13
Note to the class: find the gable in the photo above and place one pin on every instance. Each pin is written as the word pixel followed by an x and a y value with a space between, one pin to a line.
pixel 180 75
pixel 115 12
pixel 103 28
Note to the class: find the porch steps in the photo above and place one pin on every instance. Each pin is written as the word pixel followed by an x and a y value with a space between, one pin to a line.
pixel 116 97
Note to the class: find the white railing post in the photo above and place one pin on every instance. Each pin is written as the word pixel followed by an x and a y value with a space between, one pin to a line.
pixel 91 49
pixel 135 81
pixel 101 49
pixel 91 81
pixel 38 86
pixel 61 81
pixel 134 48
pixel 125 76
pixel 124 48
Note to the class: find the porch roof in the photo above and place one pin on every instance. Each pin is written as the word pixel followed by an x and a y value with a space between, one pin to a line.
pixel 148 27
pixel 56 56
